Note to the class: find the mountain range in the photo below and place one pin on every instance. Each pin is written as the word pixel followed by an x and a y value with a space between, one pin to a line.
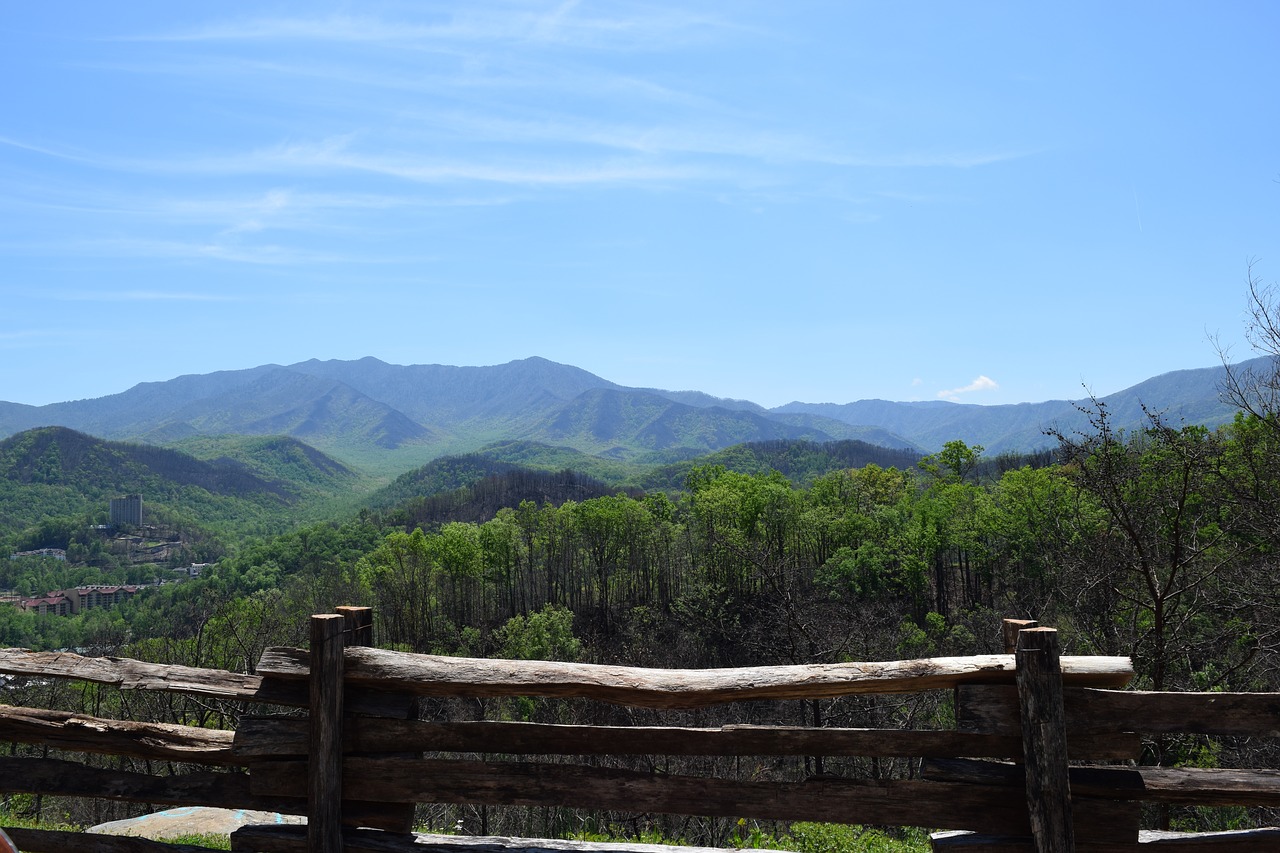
pixel 377 415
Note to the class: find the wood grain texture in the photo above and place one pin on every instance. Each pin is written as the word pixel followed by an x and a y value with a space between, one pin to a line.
pixel 57 777
pixel 993 709
pixel 59 841
pixel 324 768
pixel 69 778
pixel 83 733
pixel 1149 841
pixel 1044 740
pixel 431 675
pixel 260 737
pixel 138 675
pixel 129 674
pixel 904 803
pixel 1009 629
pixel 284 839
pixel 358 630
pixel 1181 785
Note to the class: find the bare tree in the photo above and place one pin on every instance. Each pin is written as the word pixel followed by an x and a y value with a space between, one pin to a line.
pixel 1253 389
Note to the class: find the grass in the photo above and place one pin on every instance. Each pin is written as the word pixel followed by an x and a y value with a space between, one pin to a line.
pixel 208 839
pixel 841 838
pixel 803 838
pixel 212 841
pixel 800 838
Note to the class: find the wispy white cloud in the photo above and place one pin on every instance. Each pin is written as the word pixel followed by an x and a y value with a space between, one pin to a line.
pixel 458 73
pixel 546 27
pixel 155 249
pixel 277 207
pixel 982 383
pixel 108 295
pixel 41 149
pixel 667 135
pixel 28 336
pixel 337 154
pixel 341 118
pixel 932 159
pixel 662 136
pixel 308 298
pixel 630 154
pixel 642 28
pixel 287 209
pixel 649 154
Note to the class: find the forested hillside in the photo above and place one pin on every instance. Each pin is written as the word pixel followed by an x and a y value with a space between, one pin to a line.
pixel 1109 543
pixel 55 481
pixel 799 461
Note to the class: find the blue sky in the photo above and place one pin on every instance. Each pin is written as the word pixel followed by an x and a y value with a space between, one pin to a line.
pixel 816 201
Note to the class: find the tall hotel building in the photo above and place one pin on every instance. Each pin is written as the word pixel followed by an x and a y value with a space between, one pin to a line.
pixel 126 511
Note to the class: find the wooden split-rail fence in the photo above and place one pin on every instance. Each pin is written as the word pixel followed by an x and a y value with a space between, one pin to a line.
pixel 1042 757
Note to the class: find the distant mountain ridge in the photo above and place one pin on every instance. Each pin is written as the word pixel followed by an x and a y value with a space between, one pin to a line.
pixel 371 408
pixel 1180 396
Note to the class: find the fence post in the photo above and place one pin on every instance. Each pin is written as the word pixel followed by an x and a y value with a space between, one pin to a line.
pixel 359 632
pixel 1010 629
pixel 358 625
pixel 324 768
pixel 1044 740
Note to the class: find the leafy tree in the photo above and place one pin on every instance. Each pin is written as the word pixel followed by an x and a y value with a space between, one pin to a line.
pixel 546 634
pixel 1030 524
pixel 398 574
pixel 956 460
pixel 1157 556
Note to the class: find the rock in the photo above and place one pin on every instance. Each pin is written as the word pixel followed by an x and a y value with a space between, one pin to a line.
pixel 191 820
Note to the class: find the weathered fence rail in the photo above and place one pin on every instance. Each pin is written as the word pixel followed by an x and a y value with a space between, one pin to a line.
pixel 358 761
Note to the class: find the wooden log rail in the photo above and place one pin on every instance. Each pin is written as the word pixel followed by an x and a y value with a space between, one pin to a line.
pixel 1065 719
pixel 977 777
pixel 431 675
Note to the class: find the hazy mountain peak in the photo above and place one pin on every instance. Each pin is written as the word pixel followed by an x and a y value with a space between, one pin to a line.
pixel 368 405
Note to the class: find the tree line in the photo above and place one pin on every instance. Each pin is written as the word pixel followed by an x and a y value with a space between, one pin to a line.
pixel 1157 543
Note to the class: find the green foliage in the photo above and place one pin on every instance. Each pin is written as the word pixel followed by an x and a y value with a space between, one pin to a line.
pixel 56 482
pixel 274 458
pixel 844 838
pixel 544 635
pixel 205 839
pixel 19 811
pixel 934 638
pixel 955 461
pixel 1165 550
pixel 801 462
pixel 800 837
pixel 446 474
